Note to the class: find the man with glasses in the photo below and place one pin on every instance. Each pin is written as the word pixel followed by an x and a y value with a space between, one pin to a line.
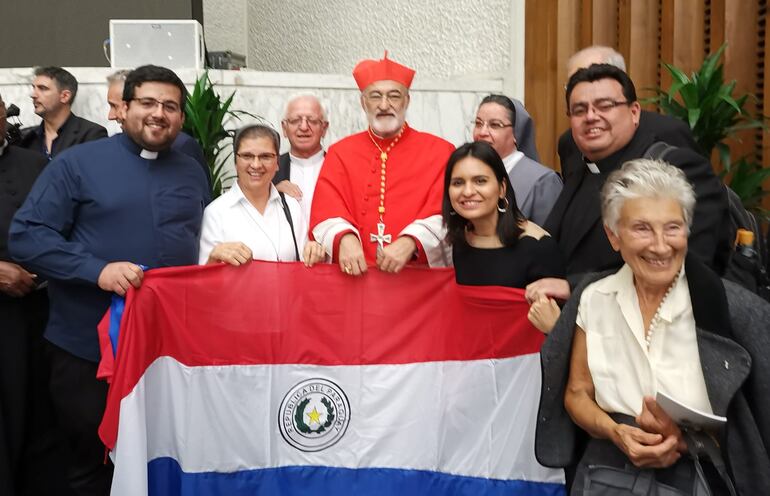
pixel 604 119
pixel 95 216
pixel 304 125
pixel 535 186
pixel 183 142
pixel 378 197
pixel 53 92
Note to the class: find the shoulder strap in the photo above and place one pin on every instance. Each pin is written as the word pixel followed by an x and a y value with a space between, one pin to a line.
pixel 658 150
pixel 291 224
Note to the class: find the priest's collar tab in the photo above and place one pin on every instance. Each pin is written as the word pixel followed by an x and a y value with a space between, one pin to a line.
pixel 149 155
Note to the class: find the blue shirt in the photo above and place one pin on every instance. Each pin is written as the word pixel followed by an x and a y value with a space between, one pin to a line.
pixel 97 203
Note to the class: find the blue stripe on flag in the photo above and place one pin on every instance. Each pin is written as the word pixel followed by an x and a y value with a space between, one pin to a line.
pixel 165 478
pixel 117 306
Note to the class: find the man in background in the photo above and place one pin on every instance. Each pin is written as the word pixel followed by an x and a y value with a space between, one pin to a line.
pixel 53 93
pixel 304 125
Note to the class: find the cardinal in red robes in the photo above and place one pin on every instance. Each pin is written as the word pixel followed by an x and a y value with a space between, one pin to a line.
pixel 378 197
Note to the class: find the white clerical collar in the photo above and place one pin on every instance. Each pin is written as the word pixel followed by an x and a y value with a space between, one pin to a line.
pixel 147 154
pixel 311 160
pixel 591 166
pixel 511 160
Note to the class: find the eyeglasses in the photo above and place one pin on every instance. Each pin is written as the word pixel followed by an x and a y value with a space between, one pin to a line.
pixel 150 104
pixel 264 158
pixel 478 125
pixel 601 106
pixel 392 97
pixel 297 121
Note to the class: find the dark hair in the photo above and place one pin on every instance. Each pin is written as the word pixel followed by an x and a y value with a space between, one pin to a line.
pixel 508 228
pixel 595 72
pixel 254 131
pixel 152 74
pixel 64 79
pixel 505 102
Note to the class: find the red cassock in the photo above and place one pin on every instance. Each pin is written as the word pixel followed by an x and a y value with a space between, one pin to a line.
pixel 347 194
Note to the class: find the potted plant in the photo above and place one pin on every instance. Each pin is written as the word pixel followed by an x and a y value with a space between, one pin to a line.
pixel 708 105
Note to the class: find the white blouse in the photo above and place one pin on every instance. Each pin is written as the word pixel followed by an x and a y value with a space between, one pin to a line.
pixel 232 218
pixel 622 369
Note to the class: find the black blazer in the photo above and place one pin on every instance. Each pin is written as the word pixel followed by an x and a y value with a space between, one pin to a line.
pixel 284 168
pixel 575 220
pixel 74 131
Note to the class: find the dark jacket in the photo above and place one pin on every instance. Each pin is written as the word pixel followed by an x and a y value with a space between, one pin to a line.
pixel 18 170
pixel 74 131
pixel 575 220
pixel 284 169
pixel 731 325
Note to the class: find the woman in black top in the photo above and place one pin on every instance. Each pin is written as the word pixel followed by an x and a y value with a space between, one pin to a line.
pixel 492 243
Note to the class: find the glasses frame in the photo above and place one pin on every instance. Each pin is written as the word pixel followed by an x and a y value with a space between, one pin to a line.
pixel 312 122
pixel 168 106
pixel 263 158
pixel 601 106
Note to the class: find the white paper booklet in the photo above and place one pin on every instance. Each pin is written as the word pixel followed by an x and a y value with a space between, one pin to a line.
pixel 684 415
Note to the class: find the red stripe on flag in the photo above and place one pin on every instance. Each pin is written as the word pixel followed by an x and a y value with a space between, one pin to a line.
pixel 285 313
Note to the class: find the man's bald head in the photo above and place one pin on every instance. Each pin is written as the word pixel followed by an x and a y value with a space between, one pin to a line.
pixel 596 54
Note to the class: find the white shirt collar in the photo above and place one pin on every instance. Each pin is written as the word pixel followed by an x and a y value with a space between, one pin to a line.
pixel 3 146
pixel 622 283
pixel 311 160
pixel 511 160
pixel 147 154
pixel 235 195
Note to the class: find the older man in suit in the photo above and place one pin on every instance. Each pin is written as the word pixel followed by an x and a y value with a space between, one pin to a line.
pixel 536 186
pixel 304 124
pixel 53 92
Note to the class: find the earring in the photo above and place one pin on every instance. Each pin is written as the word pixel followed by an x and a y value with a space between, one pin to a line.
pixel 452 212
pixel 504 208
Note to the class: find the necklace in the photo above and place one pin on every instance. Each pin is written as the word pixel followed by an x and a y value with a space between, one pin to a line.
pixel 656 318
pixel 381 238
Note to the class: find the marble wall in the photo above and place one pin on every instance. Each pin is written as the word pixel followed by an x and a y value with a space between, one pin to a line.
pixel 439 38
pixel 443 107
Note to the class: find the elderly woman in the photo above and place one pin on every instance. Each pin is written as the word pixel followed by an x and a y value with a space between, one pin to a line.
pixel 252 220
pixel 664 323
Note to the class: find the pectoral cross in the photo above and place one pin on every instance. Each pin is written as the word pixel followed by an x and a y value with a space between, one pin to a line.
pixel 380 238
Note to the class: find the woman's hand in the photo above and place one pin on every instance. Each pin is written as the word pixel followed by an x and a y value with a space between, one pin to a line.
pixel 544 313
pixel 646 449
pixel 313 253
pixel 655 420
pixel 233 253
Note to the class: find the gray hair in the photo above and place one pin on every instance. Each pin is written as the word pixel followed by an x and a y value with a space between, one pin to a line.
pixel 298 96
pixel 645 178
pixel 603 54
pixel 118 76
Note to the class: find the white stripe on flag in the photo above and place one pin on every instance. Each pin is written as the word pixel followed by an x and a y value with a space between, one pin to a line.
pixel 472 418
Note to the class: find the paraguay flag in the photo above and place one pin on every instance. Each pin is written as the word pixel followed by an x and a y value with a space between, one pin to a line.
pixel 276 379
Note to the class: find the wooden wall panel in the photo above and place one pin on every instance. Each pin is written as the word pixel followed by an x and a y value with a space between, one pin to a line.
pixel 639 44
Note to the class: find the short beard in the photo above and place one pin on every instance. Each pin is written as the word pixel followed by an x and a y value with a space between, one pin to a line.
pixel 386 128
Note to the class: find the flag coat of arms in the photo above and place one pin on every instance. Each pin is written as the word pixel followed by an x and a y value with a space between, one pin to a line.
pixel 278 379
